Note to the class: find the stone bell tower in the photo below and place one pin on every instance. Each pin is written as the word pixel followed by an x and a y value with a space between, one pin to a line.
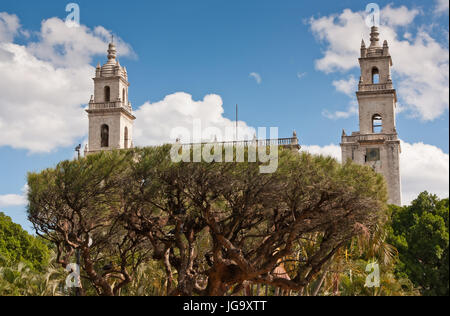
pixel 376 144
pixel 110 113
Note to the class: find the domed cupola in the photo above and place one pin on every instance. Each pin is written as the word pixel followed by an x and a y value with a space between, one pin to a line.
pixel 112 67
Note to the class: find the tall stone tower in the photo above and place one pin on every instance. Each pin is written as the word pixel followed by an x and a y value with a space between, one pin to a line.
pixel 110 113
pixel 376 144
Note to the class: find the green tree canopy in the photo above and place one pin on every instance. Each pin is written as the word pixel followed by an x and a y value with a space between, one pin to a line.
pixel 16 245
pixel 212 226
pixel 421 234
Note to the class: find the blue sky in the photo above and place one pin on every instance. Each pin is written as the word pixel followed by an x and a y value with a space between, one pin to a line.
pixel 211 47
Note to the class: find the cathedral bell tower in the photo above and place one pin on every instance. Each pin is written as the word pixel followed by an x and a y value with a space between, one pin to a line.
pixel 376 144
pixel 110 113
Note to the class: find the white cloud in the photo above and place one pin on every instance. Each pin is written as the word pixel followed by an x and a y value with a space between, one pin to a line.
pixel 300 75
pixel 351 110
pixel 256 76
pixel 45 85
pixel 423 168
pixel 340 114
pixel 400 16
pixel 346 86
pixel 421 62
pixel 342 35
pixel 441 6
pixel 156 121
pixel 14 199
pixel 330 150
pixel 9 26
pixel 73 46
pixel 41 105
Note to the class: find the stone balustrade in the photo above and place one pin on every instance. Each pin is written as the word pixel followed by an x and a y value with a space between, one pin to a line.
pixel 370 137
pixel 110 105
pixel 291 142
pixel 376 87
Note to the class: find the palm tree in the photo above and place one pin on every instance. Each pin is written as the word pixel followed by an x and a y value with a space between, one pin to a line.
pixel 21 280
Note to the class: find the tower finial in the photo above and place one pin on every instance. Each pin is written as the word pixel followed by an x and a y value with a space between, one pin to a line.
pixel 374 37
pixel 112 51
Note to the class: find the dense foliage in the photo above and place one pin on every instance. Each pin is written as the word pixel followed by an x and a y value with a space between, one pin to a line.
pixel 147 226
pixel 421 234
pixel 25 267
pixel 212 227
pixel 17 246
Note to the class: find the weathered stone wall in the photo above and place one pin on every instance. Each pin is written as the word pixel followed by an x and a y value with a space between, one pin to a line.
pixel 382 104
pixel 381 63
pixel 388 165
pixel 96 120
pixel 116 85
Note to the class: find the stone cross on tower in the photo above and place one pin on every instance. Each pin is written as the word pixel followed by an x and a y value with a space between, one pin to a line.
pixel 110 113
pixel 376 144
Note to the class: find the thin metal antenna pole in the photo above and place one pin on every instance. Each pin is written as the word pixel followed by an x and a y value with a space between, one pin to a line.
pixel 77 251
pixel 236 122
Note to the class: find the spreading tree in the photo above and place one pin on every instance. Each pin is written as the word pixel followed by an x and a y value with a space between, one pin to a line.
pixel 213 226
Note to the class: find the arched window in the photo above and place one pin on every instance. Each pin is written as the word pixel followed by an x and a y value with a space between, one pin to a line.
pixel 377 123
pixel 124 97
pixel 104 134
pixel 126 138
pixel 107 94
pixel 375 75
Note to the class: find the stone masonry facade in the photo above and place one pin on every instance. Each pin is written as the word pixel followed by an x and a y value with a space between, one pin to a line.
pixel 376 144
pixel 110 113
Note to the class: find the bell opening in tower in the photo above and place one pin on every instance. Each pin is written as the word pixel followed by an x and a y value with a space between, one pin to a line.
pixel 377 124
pixel 105 136
pixel 107 94
pixel 375 76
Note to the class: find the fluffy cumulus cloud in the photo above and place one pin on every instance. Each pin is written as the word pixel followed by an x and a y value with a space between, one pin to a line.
pixel 421 62
pixel 346 86
pixel 12 200
pixel 330 150
pixel 9 26
pixel 179 116
pixel 441 6
pixel 423 168
pixel 45 84
pixel 41 105
pixel 73 46
pixel 8 200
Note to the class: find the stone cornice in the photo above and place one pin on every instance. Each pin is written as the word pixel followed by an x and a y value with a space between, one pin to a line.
pixel 378 92
pixel 100 112
pixel 112 78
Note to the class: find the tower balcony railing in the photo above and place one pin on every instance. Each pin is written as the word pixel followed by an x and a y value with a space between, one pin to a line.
pixel 110 105
pixel 370 137
pixel 376 87
pixel 283 142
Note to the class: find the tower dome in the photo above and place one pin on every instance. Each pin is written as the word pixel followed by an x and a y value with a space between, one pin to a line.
pixel 112 67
